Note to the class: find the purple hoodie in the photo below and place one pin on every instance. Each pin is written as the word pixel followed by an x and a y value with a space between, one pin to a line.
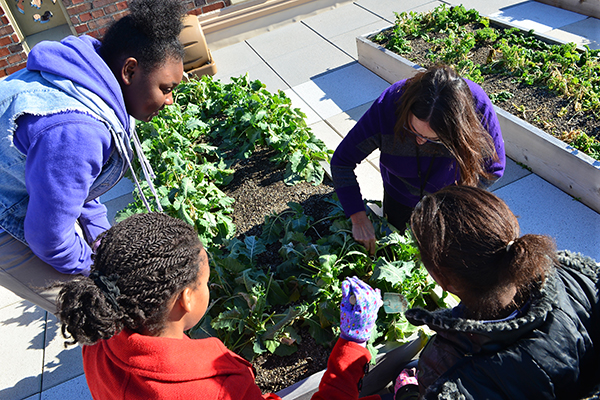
pixel 65 153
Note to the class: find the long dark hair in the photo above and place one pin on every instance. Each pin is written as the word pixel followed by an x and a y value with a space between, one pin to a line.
pixel 144 261
pixel 150 34
pixel 470 235
pixel 442 98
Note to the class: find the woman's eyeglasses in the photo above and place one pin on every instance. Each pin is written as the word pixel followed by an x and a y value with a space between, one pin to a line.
pixel 435 141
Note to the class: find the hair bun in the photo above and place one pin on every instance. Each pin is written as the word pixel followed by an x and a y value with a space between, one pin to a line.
pixel 158 19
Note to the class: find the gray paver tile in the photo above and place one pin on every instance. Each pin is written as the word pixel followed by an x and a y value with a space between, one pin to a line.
pixel 118 198
pixel 8 298
pixel 488 7
pixel 426 7
pixel 22 331
pixel 60 364
pixel 75 388
pixel 585 32
pixel 538 16
pixel 347 41
pixel 234 58
pixel 239 59
pixel 373 158
pixel 297 102
pixel 341 20
pixel 370 181
pixel 324 132
pixel 544 209
pixel 115 205
pixel 309 62
pixel 386 8
pixel 284 40
pixel 512 173
pixel 260 72
pixel 345 121
pixel 341 90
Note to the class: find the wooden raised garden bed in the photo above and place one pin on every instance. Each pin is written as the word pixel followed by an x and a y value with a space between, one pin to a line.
pixel 557 162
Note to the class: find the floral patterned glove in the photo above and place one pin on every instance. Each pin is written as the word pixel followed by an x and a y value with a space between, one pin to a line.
pixel 358 310
pixel 407 385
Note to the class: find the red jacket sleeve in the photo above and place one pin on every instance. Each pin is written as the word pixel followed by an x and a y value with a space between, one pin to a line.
pixel 345 368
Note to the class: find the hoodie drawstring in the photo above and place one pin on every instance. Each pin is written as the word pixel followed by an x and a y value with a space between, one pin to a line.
pixel 123 147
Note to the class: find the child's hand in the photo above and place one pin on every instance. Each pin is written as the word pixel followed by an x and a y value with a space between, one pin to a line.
pixel 407 385
pixel 358 310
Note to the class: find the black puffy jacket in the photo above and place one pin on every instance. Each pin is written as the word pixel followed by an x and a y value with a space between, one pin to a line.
pixel 550 352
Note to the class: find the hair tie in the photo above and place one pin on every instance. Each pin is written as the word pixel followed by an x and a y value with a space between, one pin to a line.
pixel 108 286
pixel 508 246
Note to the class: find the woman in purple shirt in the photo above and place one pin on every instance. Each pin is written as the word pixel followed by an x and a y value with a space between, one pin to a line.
pixel 433 130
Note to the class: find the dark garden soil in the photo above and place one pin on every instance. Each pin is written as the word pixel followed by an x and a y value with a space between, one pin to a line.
pixel 274 373
pixel 538 106
pixel 259 190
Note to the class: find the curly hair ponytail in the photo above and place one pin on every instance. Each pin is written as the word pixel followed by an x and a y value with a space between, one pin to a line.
pixel 470 237
pixel 140 265
pixel 85 313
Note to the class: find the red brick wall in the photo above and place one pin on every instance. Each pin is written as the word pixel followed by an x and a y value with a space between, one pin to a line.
pixel 12 56
pixel 89 17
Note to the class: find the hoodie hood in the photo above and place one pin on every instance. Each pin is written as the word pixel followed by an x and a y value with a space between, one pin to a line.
pixel 77 59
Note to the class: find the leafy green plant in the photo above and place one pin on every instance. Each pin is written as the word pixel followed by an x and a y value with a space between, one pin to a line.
pixel 255 308
pixel 501 96
pixel 582 141
pixel 192 143
pixel 188 171
pixel 243 115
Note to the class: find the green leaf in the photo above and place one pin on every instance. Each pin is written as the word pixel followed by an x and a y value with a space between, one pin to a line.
pixel 384 270
pixel 229 320
pixel 276 295
pixel 271 345
pixel 320 335
pixel 289 317
pixel 285 350
pixel 254 246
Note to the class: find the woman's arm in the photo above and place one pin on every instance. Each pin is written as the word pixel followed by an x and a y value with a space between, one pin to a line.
pixel 93 220
pixel 65 153
pixel 361 141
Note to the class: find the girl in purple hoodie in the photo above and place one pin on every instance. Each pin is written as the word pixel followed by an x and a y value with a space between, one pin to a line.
pixel 66 127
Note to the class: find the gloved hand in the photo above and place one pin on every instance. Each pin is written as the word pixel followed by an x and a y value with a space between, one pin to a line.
pixel 358 310
pixel 407 385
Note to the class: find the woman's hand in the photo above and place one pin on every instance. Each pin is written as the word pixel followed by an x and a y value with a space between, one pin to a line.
pixel 363 231
pixel 358 310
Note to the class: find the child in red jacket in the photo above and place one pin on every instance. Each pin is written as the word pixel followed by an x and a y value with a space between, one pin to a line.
pixel 149 283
